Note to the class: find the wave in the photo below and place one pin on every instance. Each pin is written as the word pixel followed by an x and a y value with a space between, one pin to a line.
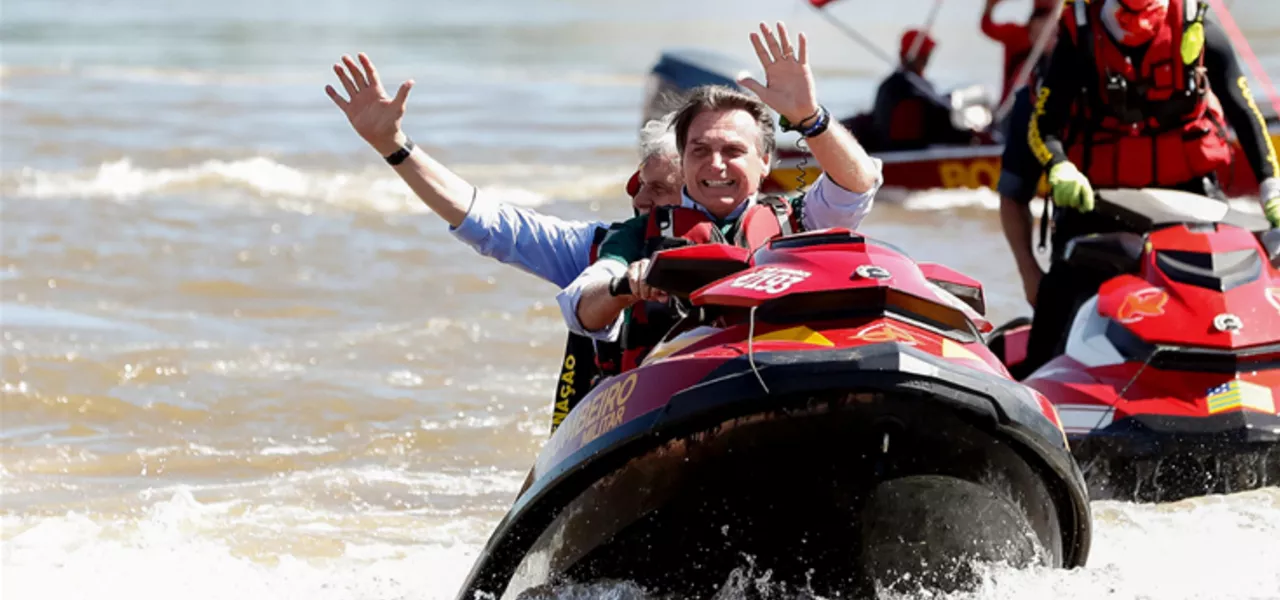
pixel 988 199
pixel 939 200
pixel 307 189
pixel 184 544
pixel 183 547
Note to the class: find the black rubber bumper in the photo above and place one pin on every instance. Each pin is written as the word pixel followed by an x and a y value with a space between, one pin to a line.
pixel 1156 436
pixel 734 389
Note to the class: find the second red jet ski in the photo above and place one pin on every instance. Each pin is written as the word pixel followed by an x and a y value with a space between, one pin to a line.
pixel 1170 380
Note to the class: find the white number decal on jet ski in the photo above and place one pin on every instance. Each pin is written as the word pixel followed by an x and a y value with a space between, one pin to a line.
pixel 770 280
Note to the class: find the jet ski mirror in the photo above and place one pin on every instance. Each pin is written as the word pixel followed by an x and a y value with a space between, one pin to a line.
pixel 682 271
pixel 967 289
pixel 1115 253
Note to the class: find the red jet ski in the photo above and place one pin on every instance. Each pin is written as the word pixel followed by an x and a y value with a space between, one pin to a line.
pixel 1170 379
pixel 826 410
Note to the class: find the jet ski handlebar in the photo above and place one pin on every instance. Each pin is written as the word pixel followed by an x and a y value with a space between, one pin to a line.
pixel 1146 209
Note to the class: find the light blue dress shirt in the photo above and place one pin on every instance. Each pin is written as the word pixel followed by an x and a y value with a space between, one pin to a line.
pixel 551 248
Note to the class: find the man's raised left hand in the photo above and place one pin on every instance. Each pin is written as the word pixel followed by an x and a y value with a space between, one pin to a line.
pixel 789 87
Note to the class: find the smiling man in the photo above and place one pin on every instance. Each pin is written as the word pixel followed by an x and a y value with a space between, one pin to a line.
pixel 726 142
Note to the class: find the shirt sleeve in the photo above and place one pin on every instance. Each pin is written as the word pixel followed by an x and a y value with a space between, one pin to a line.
pixel 604 270
pixel 1239 106
pixel 549 247
pixel 622 246
pixel 829 205
pixel 1053 103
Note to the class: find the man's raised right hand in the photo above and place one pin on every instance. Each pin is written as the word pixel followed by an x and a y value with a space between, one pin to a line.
pixel 373 115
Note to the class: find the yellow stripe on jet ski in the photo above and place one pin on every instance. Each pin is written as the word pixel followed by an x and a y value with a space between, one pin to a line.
pixel 800 334
pixel 681 342
pixel 951 349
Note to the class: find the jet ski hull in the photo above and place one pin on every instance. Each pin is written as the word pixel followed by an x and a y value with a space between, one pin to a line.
pixel 857 465
pixel 1168 381
pixel 1155 456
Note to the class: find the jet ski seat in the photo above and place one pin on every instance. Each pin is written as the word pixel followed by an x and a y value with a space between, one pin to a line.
pixel 1115 253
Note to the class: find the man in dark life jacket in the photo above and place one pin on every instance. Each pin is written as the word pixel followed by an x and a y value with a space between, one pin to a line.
pixel 726 143
pixel 909 114
pixel 1135 96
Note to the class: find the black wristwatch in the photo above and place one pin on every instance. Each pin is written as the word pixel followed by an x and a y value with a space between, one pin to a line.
pixel 819 125
pixel 398 156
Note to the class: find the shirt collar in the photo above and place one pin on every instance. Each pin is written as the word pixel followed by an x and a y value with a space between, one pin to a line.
pixel 688 202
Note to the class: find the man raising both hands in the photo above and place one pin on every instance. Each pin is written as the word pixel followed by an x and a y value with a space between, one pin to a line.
pixel 726 141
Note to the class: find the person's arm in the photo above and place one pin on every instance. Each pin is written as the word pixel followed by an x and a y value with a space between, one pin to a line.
pixel 845 161
pixel 988 25
pixel 553 249
pixel 443 191
pixel 586 304
pixel 827 204
pixel 1004 33
pixel 549 247
pixel 588 308
pixel 376 118
pixel 1015 218
pixel 1238 104
pixel 790 91
pixel 1058 89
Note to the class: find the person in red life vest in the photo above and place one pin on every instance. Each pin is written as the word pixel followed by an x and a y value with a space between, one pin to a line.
pixel 1017 39
pixel 726 144
pixel 1138 94
pixel 909 114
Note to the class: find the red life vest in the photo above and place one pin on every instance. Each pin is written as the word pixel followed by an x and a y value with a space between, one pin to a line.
pixel 674 227
pixel 1156 124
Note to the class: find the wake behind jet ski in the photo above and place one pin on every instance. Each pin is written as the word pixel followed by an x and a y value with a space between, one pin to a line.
pixel 824 411
pixel 1170 380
